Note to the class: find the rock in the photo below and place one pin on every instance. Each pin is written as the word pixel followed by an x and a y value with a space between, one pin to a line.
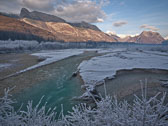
pixel 35 15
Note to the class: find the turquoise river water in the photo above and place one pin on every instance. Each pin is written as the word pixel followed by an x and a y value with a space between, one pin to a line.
pixel 56 85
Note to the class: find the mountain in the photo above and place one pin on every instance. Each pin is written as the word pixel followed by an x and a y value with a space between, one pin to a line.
pixel 146 37
pixel 11 28
pixel 44 27
pixel 85 25
pixel 28 29
pixel 35 15
pixel 150 37
pixel 69 33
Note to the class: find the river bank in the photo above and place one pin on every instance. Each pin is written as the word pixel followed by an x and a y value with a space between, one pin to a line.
pixel 129 82
pixel 25 61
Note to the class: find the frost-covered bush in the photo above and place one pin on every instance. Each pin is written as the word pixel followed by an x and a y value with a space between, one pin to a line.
pixel 33 116
pixel 108 112
pixel 8 116
pixel 17 45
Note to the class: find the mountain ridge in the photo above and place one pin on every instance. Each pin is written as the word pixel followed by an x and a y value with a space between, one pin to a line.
pixel 42 26
pixel 69 33
pixel 146 37
pixel 11 28
pixel 40 16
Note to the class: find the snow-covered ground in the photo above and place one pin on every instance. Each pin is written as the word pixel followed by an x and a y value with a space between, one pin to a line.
pixel 53 56
pixel 95 70
pixel 4 65
pixel 50 56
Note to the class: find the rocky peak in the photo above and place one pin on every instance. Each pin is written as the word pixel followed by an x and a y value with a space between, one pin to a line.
pixel 35 15
pixel 24 13
pixel 150 37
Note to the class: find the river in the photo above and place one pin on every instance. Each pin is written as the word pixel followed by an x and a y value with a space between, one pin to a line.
pixel 54 82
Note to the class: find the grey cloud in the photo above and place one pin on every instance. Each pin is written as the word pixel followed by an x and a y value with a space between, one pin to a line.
pixel 60 9
pixel 10 6
pixel 120 23
pixel 74 11
pixel 149 27
pixel 41 5
pixel 87 10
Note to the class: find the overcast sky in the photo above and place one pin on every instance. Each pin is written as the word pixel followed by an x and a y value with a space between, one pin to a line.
pixel 121 17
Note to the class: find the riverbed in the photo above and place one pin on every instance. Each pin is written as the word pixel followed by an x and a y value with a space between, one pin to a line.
pixel 59 82
pixel 53 81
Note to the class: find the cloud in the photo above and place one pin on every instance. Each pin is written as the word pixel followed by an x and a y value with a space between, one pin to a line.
pixel 111 33
pixel 120 23
pixel 121 35
pixel 166 38
pixel 71 10
pixel 10 6
pixel 125 35
pixel 81 10
pixel 100 20
pixel 149 27
pixel 42 5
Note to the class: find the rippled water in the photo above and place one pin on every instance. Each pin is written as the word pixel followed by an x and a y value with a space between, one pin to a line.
pixel 57 84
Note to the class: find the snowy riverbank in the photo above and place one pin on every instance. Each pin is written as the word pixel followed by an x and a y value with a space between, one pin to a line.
pixel 95 70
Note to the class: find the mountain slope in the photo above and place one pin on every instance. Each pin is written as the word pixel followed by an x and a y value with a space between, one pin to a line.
pixel 69 33
pixel 150 38
pixel 85 25
pixel 15 29
pixel 146 37
pixel 35 15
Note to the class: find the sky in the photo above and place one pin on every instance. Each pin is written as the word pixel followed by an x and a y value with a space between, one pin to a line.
pixel 121 17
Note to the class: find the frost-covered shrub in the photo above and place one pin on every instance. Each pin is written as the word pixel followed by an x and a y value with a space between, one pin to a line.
pixel 108 112
pixel 8 116
pixel 17 45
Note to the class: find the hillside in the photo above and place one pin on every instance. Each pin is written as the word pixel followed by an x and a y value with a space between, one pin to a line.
pixel 146 37
pixel 35 15
pixel 11 28
pixel 69 33
pixel 150 38
pixel 45 27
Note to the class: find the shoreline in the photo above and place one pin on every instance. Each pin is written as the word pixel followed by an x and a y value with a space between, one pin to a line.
pixel 127 82
pixel 133 89
pixel 17 62
pixel 23 83
pixel 109 81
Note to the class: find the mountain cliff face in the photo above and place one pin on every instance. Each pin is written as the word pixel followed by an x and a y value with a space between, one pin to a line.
pixel 69 33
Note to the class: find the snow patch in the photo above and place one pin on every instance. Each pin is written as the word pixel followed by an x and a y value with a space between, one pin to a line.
pixel 4 65
pixel 101 67
pixel 53 56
